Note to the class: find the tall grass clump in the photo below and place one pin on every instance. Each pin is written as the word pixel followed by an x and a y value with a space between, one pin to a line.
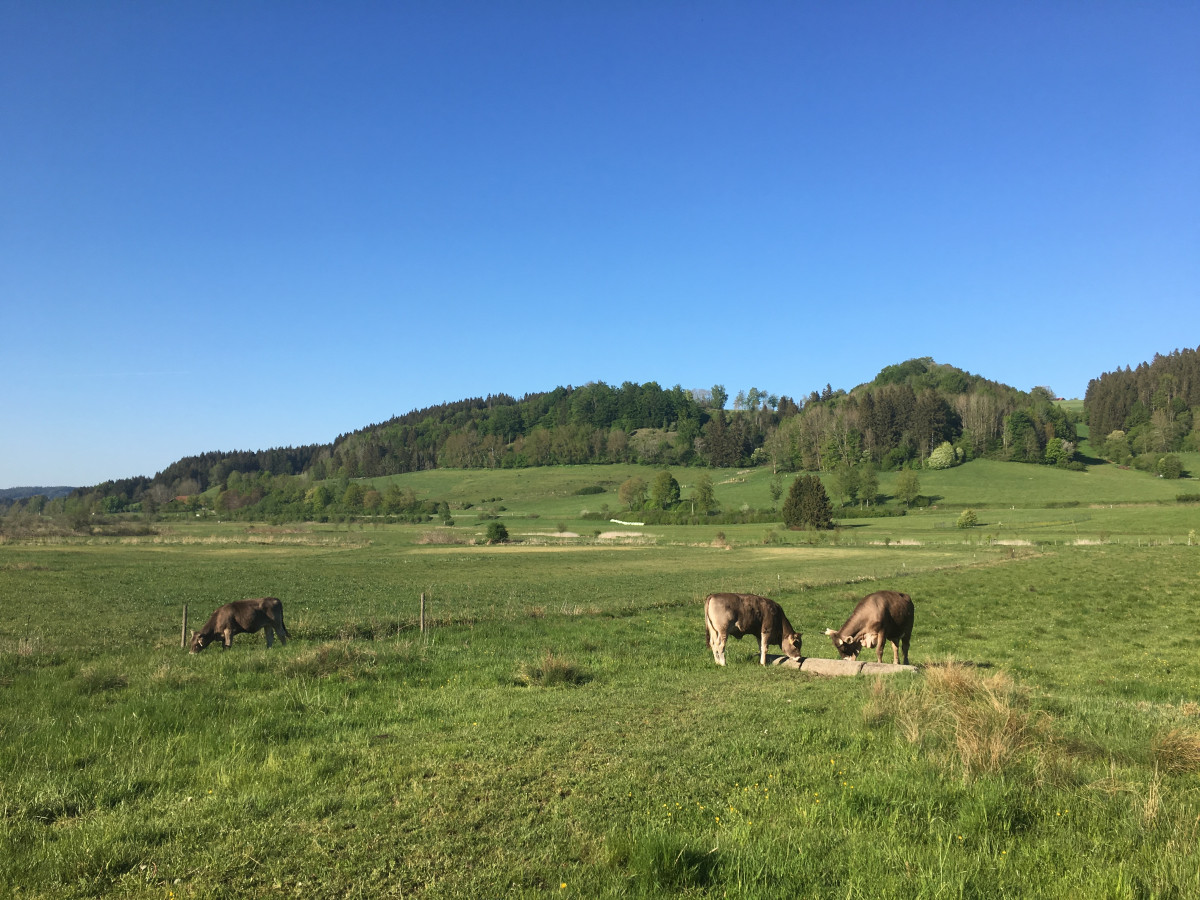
pixel 550 671
pixel 977 723
pixel 1177 751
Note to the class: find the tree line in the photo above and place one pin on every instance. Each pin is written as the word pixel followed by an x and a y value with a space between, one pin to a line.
pixel 1143 416
pixel 913 414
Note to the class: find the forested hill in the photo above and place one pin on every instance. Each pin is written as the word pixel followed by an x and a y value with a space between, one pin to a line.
pixel 917 412
pixel 901 416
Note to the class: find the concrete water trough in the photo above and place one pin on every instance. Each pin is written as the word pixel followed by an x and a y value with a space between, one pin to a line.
pixel 815 666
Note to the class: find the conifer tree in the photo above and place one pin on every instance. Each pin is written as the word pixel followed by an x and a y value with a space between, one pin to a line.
pixel 807 505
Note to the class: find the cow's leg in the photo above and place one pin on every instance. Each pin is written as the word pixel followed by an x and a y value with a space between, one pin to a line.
pixel 716 641
pixel 904 644
pixel 270 632
pixel 281 631
pixel 879 643
pixel 718 648
pixel 762 648
pixel 226 639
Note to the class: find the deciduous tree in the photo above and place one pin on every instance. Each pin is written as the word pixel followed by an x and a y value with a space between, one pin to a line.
pixel 908 486
pixel 632 492
pixel 664 493
pixel 703 495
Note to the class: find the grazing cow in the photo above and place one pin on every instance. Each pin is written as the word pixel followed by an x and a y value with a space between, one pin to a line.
pixel 881 617
pixel 734 615
pixel 242 616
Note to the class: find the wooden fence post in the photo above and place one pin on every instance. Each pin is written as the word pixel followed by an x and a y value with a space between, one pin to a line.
pixel 183 631
pixel 422 613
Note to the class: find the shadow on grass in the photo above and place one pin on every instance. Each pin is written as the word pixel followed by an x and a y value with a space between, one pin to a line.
pixel 657 861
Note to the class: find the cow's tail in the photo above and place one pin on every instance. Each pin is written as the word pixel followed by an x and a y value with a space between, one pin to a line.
pixel 707 623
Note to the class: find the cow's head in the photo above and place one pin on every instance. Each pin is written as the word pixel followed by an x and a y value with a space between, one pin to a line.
pixel 846 649
pixel 199 641
pixel 791 645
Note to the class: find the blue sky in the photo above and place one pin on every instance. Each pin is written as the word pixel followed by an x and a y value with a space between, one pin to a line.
pixel 254 224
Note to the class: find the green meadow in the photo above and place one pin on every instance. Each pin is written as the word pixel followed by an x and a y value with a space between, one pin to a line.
pixel 561 729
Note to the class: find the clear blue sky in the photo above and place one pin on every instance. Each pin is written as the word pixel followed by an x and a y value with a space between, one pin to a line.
pixel 238 225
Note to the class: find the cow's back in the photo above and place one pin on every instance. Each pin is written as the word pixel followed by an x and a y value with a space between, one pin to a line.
pixel 250 615
pixel 890 611
pixel 734 614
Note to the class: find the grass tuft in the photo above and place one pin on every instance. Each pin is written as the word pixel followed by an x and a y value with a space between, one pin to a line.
pixel 661 861
pixel 1177 751
pixel 332 658
pixel 97 681
pixel 550 671
pixel 981 722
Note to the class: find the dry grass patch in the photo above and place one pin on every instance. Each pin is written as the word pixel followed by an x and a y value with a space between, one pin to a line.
pixel 979 722
pixel 1177 751
pixel 344 658
pixel 440 536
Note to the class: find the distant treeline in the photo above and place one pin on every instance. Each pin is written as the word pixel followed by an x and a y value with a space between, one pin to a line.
pixel 916 413
pixel 1140 414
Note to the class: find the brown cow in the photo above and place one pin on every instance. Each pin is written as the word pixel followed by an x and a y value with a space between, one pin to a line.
pixel 735 615
pixel 242 616
pixel 879 618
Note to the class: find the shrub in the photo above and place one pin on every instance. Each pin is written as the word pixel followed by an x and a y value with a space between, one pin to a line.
pixel 967 519
pixel 943 457
pixel 590 489
pixel 497 533
pixel 1170 466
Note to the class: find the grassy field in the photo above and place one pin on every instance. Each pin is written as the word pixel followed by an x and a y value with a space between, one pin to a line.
pixel 546 498
pixel 562 730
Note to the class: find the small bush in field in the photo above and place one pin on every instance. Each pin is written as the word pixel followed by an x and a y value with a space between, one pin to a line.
pixel 497 533
pixel 968 519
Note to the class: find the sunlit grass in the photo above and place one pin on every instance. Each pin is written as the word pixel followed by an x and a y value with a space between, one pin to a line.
pixel 562 722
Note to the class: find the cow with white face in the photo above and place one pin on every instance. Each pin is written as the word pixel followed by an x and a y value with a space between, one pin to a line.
pixel 735 615
pixel 879 618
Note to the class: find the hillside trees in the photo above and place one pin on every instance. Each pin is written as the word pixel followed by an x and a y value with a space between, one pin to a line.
pixel 897 420
pixel 1154 406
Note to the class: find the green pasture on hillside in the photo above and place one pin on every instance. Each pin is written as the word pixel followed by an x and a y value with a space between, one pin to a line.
pixel 1020 503
pixel 551 493
pixel 562 729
